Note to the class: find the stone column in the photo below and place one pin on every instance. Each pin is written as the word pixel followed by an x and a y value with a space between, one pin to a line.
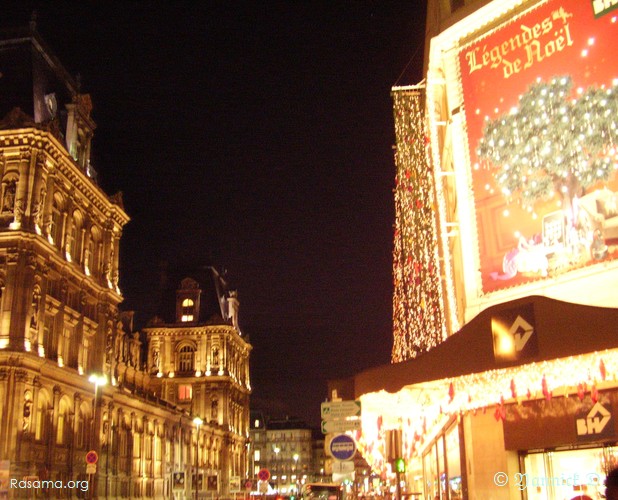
pixel 47 215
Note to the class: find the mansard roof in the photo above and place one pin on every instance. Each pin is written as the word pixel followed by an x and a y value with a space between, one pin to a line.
pixel 213 289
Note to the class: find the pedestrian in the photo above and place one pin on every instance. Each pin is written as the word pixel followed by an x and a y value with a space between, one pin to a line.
pixel 611 485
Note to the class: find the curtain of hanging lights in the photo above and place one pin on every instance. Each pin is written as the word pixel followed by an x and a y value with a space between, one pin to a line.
pixel 418 313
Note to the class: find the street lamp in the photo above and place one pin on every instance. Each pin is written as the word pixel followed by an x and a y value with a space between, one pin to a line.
pixel 98 380
pixel 276 449
pixel 296 457
pixel 197 421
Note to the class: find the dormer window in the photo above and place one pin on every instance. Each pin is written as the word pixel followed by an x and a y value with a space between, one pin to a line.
pixel 188 306
pixel 188 301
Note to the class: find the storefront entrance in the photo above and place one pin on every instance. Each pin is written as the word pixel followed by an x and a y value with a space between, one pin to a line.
pixel 566 474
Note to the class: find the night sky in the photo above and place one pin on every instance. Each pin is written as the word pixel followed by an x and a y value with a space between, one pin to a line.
pixel 255 137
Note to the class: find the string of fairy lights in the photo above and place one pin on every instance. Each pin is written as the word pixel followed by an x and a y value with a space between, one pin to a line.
pixel 418 311
pixel 421 410
pixel 554 144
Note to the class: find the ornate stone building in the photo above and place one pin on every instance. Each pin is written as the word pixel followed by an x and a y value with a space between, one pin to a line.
pixel 200 362
pixel 72 377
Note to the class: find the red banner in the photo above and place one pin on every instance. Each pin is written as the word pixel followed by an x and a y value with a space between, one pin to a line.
pixel 541 99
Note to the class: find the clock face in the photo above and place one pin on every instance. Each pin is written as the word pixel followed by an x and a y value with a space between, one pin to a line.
pixel 51 103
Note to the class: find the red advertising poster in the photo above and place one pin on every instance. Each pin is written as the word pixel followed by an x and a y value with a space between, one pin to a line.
pixel 541 104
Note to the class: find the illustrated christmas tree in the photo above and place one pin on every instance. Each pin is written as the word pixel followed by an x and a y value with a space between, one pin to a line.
pixel 556 142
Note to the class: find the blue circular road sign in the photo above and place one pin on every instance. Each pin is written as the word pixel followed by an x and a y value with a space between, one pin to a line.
pixel 343 447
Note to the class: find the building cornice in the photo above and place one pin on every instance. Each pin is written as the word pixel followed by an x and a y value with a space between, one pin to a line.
pixel 195 331
pixel 92 195
pixel 22 241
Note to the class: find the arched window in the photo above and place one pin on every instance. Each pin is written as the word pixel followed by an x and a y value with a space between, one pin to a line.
pixel 54 228
pixel 187 310
pixel 73 240
pixel 88 254
pixel 185 358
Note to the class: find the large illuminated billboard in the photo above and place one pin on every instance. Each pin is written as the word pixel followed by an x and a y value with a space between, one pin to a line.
pixel 540 93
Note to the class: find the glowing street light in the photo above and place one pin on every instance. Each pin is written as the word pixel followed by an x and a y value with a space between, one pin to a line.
pixel 296 456
pixel 99 380
pixel 276 449
pixel 198 422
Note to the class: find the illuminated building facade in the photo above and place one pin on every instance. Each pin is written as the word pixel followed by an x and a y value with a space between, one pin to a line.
pixel 200 362
pixel 506 256
pixel 72 374
pixel 286 448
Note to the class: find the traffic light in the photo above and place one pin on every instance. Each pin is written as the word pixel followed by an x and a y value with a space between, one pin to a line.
pixel 400 465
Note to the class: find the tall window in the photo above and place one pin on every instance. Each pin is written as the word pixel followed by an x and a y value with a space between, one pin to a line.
pixel 82 427
pixel 64 347
pixel 185 359
pixel 54 229
pixel 48 337
pixel 84 352
pixel 137 443
pixel 187 310
pixel 42 422
pixel 185 392
pixel 124 440
pixel 88 255
pixel 63 424
pixel 71 242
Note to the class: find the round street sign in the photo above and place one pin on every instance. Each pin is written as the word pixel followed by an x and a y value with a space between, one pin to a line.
pixel 342 447
pixel 92 457
pixel 263 475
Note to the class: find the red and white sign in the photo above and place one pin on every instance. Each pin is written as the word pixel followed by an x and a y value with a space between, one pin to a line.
pixel 263 475
pixel 92 457
pixel 536 90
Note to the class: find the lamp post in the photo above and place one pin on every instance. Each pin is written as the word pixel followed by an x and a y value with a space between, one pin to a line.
pixel 296 456
pixel 198 422
pixel 276 449
pixel 99 381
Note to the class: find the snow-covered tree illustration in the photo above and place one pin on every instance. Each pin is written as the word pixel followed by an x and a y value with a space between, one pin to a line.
pixel 555 143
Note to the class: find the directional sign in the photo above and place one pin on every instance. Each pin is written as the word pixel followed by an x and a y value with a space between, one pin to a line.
pixel 329 426
pixel 333 410
pixel 343 467
pixel 342 447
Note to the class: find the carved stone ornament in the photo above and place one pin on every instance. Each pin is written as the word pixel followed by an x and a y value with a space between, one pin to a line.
pixel 31 260
pixel 18 211
pixel 9 190
pixel 12 256
pixel 37 209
